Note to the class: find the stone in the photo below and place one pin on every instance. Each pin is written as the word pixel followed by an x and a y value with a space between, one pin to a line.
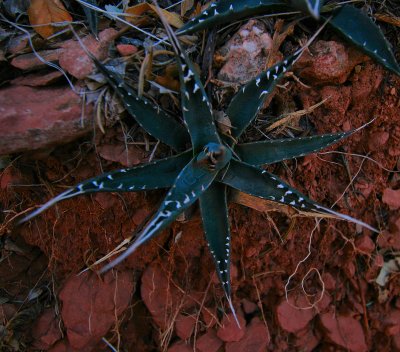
pixel 230 331
pixel 343 331
pixel 256 338
pixel 180 346
pixel 125 155
pixel 328 62
pixel 365 244
pixel 32 118
pixel 37 79
pixel 378 140
pixel 31 61
pixel 75 61
pixel 91 305
pixel 292 319
pixel 46 330
pixel 245 54
pixel 209 342
pixel 184 326
pixel 126 49
pixel 391 197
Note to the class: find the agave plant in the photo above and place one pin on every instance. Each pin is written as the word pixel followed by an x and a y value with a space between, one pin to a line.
pixel 348 20
pixel 207 164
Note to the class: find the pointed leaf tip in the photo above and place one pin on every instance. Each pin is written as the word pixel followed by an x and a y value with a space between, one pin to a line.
pixel 360 30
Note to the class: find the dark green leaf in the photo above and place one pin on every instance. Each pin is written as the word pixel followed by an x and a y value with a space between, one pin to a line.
pixel 272 151
pixel 91 16
pixel 196 108
pixel 227 11
pixel 155 175
pixel 154 120
pixel 260 183
pixel 190 184
pixel 310 7
pixel 251 97
pixel 365 34
pixel 214 213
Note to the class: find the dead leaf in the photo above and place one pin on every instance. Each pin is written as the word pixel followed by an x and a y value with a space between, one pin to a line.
pixel 138 10
pixel 44 12
pixel 186 6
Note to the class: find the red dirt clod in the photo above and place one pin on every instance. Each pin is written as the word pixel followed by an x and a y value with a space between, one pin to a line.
pixel 328 62
pixel 74 60
pixel 345 332
pixel 256 338
pixel 46 331
pixel 365 244
pixel 229 331
pixel 90 314
pixel 126 49
pixel 184 326
pixel 39 118
pixel 391 197
pixel 292 319
pixel 209 342
pixel 180 346
pixel 378 140
pixel 248 306
pixel 158 294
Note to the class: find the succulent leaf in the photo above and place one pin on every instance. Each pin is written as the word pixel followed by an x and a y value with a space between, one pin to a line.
pixel 311 7
pixel 273 151
pixel 214 212
pixel 155 121
pixel 224 11
pixel 260 183
pixel 365 34
pixel 196 107
pixel 91 16
pixel 251 97
pixel 142 177
pixel 190 184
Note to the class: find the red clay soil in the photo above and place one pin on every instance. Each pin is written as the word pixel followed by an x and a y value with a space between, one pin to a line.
pixel 166 295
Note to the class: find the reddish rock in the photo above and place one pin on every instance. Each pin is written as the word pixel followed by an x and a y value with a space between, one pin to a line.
pixel 389 240
pixel 329 281
pixel 30 61
pixel 37 79
pixel 377 140
pixel 293 319
pixel 46 331
pixel 121 154
pixel 62 346
pixel 391 197
pixel 392 323
pixel 39 118
pixel 159 296
pixel 209 342
pixel 91 305
pixel 73 58
pixel 209 317
pixel 180 346
pixel 245 54
pixel 365 244
pixel 230 331
pixel 306 340
pixel 184 326
pixel 328 62
pixel 126 49
pixel 256 339
pixel 345 332
pixel 248 306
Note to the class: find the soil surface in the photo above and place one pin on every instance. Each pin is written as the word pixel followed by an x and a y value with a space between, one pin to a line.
pixel 298 284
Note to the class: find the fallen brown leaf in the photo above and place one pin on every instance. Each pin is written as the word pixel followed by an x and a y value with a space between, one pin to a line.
pixel 42 13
